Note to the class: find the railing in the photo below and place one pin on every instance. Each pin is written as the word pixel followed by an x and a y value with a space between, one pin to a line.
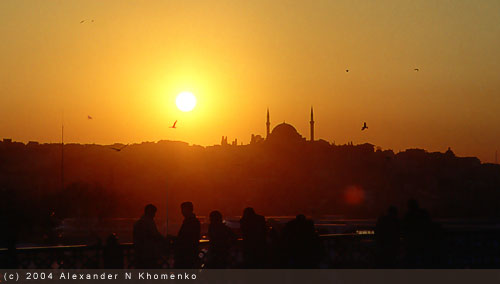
pixel 455 250
pixel 83 256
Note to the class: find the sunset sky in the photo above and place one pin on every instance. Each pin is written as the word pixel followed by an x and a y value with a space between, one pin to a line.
pixel 238 58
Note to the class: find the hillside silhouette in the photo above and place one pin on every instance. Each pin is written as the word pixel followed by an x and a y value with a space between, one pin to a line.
pixel 316 178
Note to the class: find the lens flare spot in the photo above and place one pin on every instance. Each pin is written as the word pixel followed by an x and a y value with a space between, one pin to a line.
pixel 354 195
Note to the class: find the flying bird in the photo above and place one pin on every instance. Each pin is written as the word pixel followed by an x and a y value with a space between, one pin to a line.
pixel 119 149
pixel 82 21
pixel 364 127
pixel 347 70
pixel 416 69
pixel 173 126
pixel 89 117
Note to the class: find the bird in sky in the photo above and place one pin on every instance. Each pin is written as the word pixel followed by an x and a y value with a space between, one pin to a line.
pixel 119 149
pixel 173 126
pixel 416 69
pixel 89 117
pixel 364 127
pixel 347 70
pixel 82 21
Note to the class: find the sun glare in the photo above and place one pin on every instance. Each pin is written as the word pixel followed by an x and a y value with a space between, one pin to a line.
pixel 185 101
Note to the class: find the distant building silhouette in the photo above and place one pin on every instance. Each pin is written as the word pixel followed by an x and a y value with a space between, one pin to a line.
pixel 312 125
pixel 256 139
pixel 286 133
pixel 449 152
pixel 281 133
pixel 268 125
pixel 224 141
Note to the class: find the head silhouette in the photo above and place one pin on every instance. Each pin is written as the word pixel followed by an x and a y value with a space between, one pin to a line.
pixel 392 211
pixel 300 217
pixel 413 205
pixel 248 212
pixel 187 208
pixel 112 240
pixel 150 211
pixel 215 217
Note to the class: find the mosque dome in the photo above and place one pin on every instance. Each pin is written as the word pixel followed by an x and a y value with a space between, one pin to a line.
pixel 286 133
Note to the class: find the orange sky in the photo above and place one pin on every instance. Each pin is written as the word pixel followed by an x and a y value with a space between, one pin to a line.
pixel 240 57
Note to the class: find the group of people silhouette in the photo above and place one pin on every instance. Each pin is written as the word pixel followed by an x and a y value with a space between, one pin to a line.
pixel 408 242
pixel 419 247
pixel 149 244
pixel 413 241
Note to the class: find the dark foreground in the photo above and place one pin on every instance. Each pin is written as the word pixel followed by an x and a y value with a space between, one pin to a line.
pixel 462 248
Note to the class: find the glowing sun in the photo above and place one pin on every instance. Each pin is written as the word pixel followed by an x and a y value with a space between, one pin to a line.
pixel 185 101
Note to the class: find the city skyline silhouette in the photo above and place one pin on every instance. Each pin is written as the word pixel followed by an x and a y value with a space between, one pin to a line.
pixel 235 61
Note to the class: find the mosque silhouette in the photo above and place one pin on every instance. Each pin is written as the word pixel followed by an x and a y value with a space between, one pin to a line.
pixel 285 132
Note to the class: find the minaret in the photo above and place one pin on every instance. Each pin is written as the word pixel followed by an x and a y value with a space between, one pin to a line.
pixel 312 124
pixel 268 125
pixel 62 151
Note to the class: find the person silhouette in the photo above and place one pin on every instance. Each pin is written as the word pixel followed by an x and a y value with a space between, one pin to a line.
pixel 301 243
pixel 10 224
pixel 112 253
pixel 221 239
pixel 147 240
pixel 11 261
pixel 253 229
pixel 387 236
pixel 188 238
pixel 417 231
